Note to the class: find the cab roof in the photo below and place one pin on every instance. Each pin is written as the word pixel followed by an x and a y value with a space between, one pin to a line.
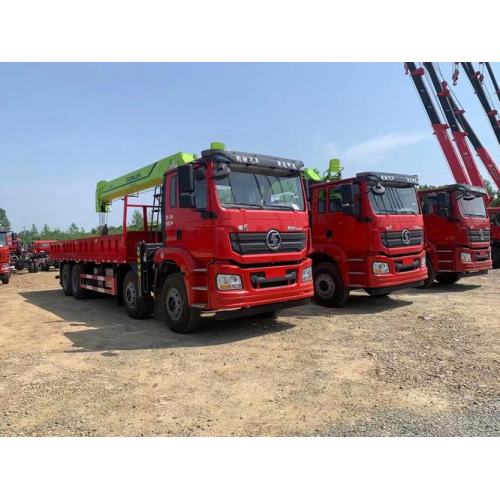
pixel 376 176
pixel 251 159
pixel 465 188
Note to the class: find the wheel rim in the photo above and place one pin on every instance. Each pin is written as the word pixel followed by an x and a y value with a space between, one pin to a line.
pixel 325 286
pixel 174 304
pixel 130 295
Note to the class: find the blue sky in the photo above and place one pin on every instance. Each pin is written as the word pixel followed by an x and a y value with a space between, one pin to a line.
pixel 63 127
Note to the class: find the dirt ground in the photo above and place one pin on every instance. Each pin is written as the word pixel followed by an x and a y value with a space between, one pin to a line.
pixel 417 363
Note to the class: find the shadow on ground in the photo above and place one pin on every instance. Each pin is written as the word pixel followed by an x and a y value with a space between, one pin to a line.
pixel 439 288
pixel 357 304
pixel 108 328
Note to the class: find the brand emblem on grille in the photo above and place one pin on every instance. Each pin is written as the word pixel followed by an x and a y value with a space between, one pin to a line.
pixel 273 239
pixel 405 236
pixel 481 235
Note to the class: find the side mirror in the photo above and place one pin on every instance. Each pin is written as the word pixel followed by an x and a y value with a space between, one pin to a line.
pixel 185 176
pixel 186 200
pixel 443 204
pixel 347 193
pixel 221 171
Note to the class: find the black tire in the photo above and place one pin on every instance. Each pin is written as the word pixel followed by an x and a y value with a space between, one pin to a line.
pixel 329 289
pixel 66 279
pixel 46 266
pixel 136 307
pixel 180 317
pixel 78 292
pixel 5 281
pixel 31 268
pixel 447 278
pixel 373 292
pixel 431 274
pixel 495 257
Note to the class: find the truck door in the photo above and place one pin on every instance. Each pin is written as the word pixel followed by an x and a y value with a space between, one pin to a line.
pixel 191 228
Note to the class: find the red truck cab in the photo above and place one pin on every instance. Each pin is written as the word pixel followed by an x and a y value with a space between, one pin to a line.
pixel 494 215
pixel 233 241
pixel 457 232
pixel 4 257
pixel 367 232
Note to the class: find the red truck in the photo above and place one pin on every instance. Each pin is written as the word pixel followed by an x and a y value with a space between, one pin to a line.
pixel 232 240
pixel 40 257
pixel 494 214
pixel 367 232
pixel 4 257
pixel 457 232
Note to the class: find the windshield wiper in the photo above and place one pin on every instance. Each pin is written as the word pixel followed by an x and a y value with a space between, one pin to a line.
pixel 243 205
pixel 283 207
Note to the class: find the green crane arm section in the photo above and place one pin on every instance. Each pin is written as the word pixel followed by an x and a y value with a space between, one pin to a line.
pixel 137 181
pixel 334 172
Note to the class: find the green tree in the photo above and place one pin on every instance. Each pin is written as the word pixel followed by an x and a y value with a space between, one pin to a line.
pixel 4 220
pixel 137 220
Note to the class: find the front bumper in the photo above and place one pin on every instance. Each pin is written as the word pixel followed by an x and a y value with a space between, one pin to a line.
pixel 481 260
pixel 404 272
pixel 261 286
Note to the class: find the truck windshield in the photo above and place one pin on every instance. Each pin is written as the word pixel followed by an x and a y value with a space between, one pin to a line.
pixel 395 200
pixel 273 192
pixel 472 207
pixel 3 239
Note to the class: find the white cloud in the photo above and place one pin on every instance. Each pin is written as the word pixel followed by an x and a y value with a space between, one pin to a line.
pixel 375 149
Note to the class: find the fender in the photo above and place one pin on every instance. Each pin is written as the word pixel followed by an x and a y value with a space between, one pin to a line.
pixel 432 254
pixel 182 259
pixel 337 255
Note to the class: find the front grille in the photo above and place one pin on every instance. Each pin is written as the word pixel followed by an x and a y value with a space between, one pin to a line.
pixel 482 258
pixel 479 235
pixel 255 243
pixel 403 268
pixel 259 280
pixel 394 239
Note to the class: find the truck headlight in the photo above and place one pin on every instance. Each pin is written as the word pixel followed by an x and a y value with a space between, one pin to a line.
pixel 229 282
pixel 307 274
pixel 380 267
pixel 465 257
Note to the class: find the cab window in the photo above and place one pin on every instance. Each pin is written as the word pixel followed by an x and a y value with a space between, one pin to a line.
pixel 321 201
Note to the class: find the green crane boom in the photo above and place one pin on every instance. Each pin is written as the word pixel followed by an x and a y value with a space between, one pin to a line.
pixel 137 181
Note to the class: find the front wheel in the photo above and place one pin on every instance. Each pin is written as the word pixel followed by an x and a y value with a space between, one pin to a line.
pixel 5 281
pixel 447 278
pixel 137 307
pixel 180 317
pixel 431 274
pixel 329 289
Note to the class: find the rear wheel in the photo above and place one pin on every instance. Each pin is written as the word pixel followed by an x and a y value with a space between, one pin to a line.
pixel 78 291
pixel 447 278
pixel 180 317
pixel 329 289
pixel 431 274
pixel 66 279
pixel 137 307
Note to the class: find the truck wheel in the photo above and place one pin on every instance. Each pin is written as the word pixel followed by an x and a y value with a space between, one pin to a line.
pixel 31 268
pixel 78 291
pixel 447 278
pixel 329 289
pixel 136 306
pixel 5 281
pixel 180 317
pixel 46 266
pixel 431 274
pixel 66 279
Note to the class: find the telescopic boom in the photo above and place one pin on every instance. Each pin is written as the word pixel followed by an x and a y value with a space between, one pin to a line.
pixel 137 181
